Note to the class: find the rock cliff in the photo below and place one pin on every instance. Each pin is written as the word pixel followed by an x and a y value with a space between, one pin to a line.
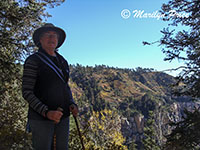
pixel 133 126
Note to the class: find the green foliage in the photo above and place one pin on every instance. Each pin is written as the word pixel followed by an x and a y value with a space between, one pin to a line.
pixel 13 120
pixel 18 19
pixel 132 146
pixel 149 141
pixel 185 133
pixel 74 139
pixel 147 103
pixel 183 43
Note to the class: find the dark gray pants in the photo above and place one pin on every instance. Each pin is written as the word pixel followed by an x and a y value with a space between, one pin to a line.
pixel 43 132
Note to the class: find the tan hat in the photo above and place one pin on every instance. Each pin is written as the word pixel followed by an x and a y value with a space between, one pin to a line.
pixel 49 27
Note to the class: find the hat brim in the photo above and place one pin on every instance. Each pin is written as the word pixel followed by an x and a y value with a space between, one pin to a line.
pixel 39 31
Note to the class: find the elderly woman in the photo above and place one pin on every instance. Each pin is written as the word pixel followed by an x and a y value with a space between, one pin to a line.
pixel 45 88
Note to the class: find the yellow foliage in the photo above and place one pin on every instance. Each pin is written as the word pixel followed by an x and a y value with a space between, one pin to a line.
pixel 106 128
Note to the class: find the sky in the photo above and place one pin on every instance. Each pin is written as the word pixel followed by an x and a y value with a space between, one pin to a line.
pixel 108 32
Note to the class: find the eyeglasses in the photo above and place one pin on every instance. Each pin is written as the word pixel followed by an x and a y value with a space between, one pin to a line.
pixel 49 35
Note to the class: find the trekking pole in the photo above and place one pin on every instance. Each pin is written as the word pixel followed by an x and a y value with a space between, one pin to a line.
pixel 54 137
pixel 79 132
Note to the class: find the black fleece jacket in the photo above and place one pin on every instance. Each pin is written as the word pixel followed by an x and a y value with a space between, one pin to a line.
pixel 43 89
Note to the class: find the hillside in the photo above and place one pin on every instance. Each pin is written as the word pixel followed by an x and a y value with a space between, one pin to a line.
pixel 132 93
pixel 116 85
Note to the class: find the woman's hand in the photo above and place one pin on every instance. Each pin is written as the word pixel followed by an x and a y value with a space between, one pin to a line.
pixel 54 115
pixel 74 109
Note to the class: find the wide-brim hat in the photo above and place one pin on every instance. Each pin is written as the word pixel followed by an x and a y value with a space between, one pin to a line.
pixel 49 27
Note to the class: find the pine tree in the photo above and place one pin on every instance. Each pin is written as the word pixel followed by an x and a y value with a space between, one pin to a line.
pixel 185 133
pixel 18 19
pixel 183 44
pixel 149 141
pixel 132 146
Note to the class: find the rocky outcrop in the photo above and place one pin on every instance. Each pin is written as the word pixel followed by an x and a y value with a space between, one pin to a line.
pixel 132 127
